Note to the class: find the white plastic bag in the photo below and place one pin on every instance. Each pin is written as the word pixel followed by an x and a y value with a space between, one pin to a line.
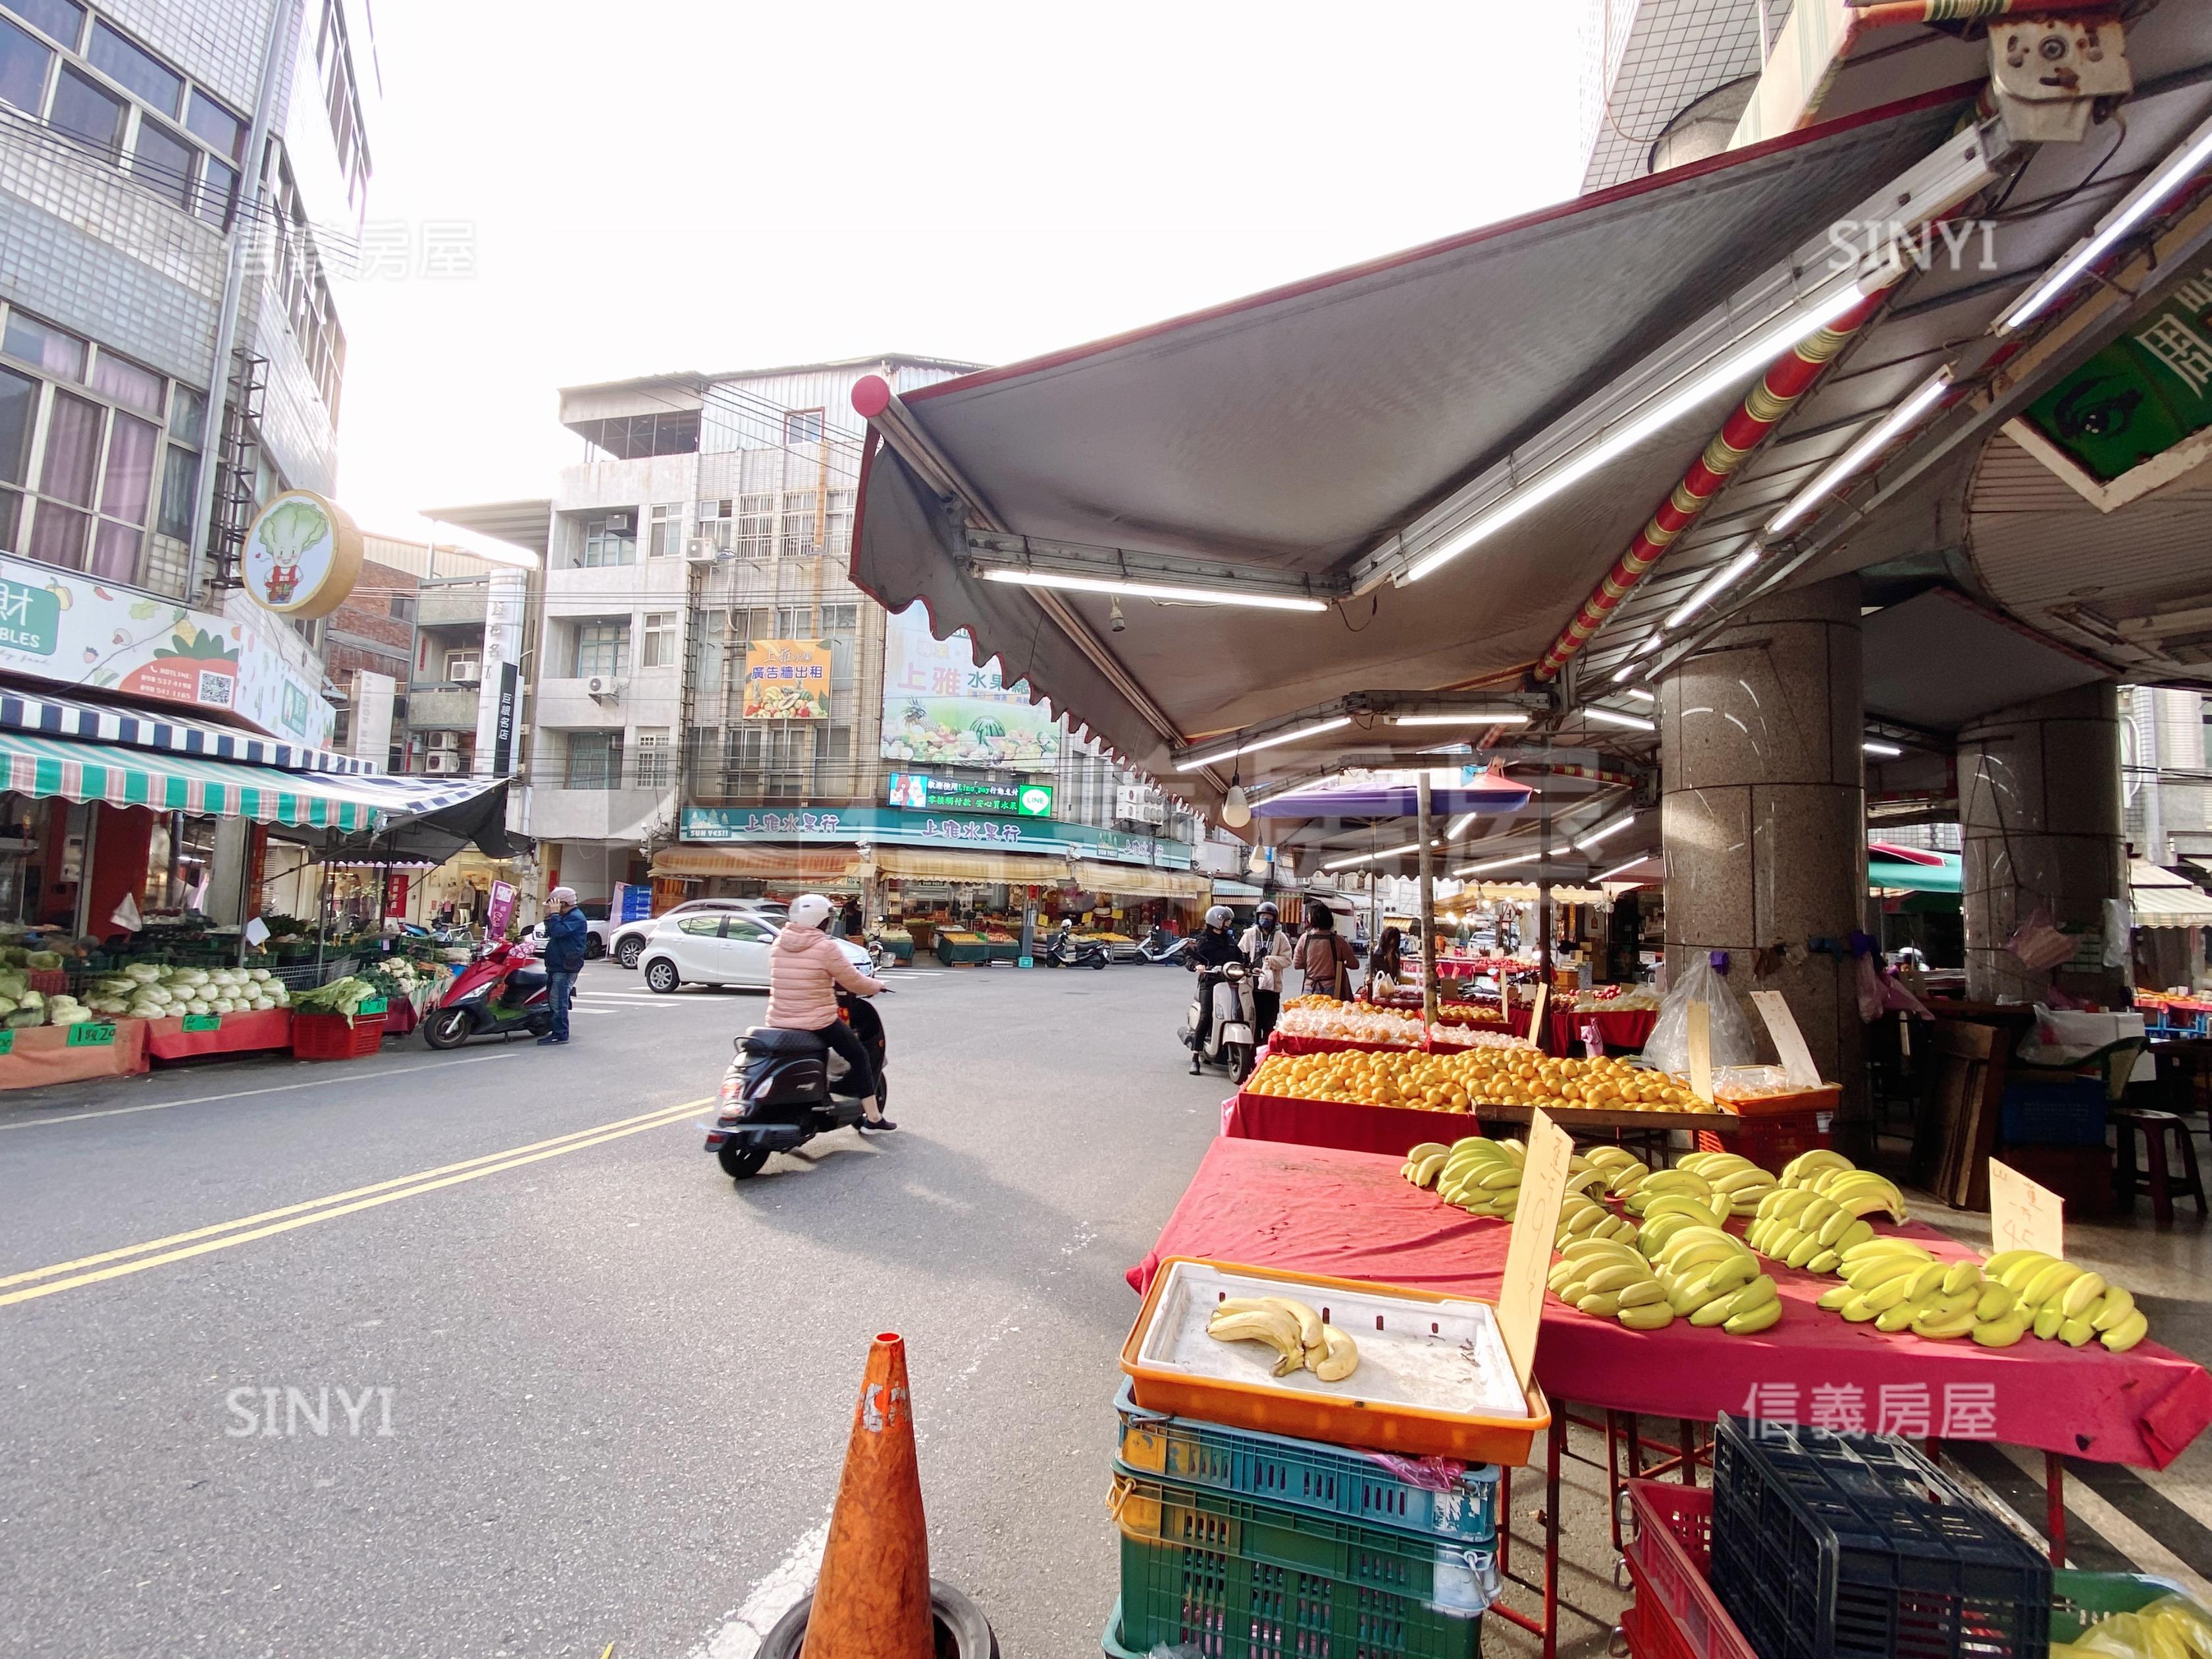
pixel 1734 1041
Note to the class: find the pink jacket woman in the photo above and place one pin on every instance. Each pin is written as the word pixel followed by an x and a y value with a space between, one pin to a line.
pixel 804 966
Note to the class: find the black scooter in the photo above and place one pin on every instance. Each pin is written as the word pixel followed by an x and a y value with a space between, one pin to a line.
pixel 1064 950
pixel 784 1088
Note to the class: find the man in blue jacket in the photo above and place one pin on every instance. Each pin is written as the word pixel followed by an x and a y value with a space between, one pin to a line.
pixel 565 930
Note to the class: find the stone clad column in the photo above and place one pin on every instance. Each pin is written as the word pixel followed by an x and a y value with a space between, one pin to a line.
pixel 1763 798
pixel 2040 813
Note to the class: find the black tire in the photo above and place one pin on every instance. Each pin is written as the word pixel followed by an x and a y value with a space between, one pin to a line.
pixel 661 975
pixel 1240 1060
pixel 594 947
pixel 628 952
pixel 1098 962
pixel 447 1028
pixel 962 1629
pixel 742 1163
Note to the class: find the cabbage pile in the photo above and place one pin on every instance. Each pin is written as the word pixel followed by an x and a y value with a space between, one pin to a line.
pixel 340 996
pixel 143 991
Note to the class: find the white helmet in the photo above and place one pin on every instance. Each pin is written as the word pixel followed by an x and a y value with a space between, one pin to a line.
pixel 810 911
pixel 1220 916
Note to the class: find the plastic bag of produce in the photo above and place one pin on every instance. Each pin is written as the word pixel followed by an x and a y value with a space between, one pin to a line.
pixel 1733 1041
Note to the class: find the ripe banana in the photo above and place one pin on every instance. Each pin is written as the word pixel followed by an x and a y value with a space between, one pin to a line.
pixel 2001 1333
pixel 1758 1319
pixel 1648 1316
pixel 1278 1329
pixel 2081 1293
pixel 1339 1359
pixel 2128 1332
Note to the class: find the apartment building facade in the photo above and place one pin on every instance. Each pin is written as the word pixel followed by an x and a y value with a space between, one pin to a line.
pixel 176 184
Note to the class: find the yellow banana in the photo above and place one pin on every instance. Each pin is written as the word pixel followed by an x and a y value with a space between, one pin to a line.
pixel 1339 1359
pixel 1643 1294
pixel 1602 1305
pixel 1960 1276
pixel 2074 1334
pixel 2049 1283
pixel 2081 1293
pixel 2001 1333
pixel 2128 1332
pixel 1897 1318
pixel 1648 1316
pixel 1429 1169
pixel 1617 1278
pixel 1833 1300
pixel 1856 1310
pixel 1504 1176
pixel 1942 1329
pixel 1996 1302
pixel 1308 1321
pixel 2018 1275
pixel 1826 1262
pixel 2046 1321
pixel 1759 1318
pixel 1996 1266
pixel 1890 1293
pixel 1802 1252
pixel 2119 1305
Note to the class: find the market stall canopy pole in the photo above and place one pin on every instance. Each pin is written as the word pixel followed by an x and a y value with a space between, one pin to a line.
pixel 1308 431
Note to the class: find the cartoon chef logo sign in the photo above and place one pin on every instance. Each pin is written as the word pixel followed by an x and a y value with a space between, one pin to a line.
pixel 302 555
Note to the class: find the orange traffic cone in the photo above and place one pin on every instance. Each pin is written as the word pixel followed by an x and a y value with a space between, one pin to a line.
pixel 872 1599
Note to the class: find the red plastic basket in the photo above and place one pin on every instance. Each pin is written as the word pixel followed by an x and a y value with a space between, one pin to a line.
pixel 336 1036
pixel 1769 1142
pixel 1676 1616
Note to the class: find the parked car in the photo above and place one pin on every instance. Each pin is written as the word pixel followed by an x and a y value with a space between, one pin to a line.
pixel 626 944
pixel 595 927
pixel 718 947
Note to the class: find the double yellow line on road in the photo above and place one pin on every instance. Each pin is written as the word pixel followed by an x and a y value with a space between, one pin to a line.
pixel 179 1246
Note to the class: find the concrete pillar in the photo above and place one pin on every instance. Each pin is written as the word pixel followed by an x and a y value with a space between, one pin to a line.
pixel 2039 818
pixel 1763 817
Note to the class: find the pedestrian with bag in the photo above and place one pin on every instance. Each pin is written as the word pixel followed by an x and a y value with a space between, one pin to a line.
pixel 1326 957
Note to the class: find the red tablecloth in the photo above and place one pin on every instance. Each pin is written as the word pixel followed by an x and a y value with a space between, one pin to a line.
pixel 265 1027
pixel 41 1055
pixel 1348 1214
pixel 1630 1028
pixel 1393 1129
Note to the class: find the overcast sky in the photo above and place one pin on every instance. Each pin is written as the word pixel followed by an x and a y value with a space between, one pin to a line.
pixel 703 185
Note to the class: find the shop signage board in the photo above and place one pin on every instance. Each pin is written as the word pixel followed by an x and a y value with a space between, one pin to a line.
pixel 888 826
pixel 2024 1215
pixel 940 708
pixel 502 743
pixel 64 627
pixel 501 910
pixel 302 554
pixel 1528 1252
pixel 923 792
pixel 787 680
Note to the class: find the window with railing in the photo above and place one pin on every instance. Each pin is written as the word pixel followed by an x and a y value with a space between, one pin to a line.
pixel 654 756
pixel 602 649
pixel 592 760
pixel 610 538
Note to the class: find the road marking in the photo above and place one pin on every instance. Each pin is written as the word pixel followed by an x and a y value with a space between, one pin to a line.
pixel 336 1205
pixel 241 1094
pixel 742 1633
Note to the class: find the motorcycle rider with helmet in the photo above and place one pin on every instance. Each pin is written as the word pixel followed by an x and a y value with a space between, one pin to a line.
pixel 1214 948
pixel 805 967
pixel 1267 948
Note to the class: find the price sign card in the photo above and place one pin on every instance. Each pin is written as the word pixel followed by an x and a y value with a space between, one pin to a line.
pixel 2023 1215
pixel 1536 1014
pixel 1788 1042
pixel 1528 1254
pixel 1701 1051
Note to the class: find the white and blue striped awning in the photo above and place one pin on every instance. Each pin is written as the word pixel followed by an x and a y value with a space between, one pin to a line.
pixel 130 728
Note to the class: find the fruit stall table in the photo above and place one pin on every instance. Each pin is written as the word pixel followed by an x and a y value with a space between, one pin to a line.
pixel 184 1037
pixel 41 1054
pixel 1348 1126
pixel 1357 1218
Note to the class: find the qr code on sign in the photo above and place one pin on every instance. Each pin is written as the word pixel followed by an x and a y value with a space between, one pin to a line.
pixel 215 688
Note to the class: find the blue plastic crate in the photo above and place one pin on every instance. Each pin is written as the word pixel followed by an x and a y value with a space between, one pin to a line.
pixel 2039 1113
pixel 1304 1474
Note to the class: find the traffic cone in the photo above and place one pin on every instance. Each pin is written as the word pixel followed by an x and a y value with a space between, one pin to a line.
pixel 872 1599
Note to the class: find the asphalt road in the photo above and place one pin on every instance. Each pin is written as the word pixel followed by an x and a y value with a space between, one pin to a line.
pixel 590 1391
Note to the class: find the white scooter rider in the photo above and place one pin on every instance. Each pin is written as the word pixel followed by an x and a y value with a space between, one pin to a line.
pixel 1214 948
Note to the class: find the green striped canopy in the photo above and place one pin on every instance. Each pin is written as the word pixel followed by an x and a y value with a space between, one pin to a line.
pixel 170 782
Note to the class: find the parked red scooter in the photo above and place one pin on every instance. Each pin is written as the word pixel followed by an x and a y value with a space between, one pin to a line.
pixel 502 991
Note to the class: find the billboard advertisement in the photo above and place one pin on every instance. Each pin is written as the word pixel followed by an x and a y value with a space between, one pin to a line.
pixel 919 791
pixel 940 709
pixel 787 680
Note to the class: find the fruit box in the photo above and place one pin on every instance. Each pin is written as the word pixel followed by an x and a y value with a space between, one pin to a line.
pixel 1433 1376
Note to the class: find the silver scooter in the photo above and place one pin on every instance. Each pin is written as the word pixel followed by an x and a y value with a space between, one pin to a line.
pixel 1222 1025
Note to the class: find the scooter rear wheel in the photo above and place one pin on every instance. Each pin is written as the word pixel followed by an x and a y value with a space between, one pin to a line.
pixel 447 1028
pixel 742 1163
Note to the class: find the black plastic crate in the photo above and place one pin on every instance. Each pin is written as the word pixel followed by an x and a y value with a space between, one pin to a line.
pixel 1835 1547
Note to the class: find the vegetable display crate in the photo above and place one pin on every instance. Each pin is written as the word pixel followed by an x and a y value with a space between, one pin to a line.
pixel 1676 1616
pixel 336 1037
pixel 1239 1580
pixel 1304 1474
pixel 1831 1547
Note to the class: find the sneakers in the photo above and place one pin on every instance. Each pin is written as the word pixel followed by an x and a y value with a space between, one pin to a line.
pixel 549 1037
pixel 875 1123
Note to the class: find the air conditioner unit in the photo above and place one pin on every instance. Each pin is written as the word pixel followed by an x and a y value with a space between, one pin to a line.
pixel 442 763
pixel 599 686
pixel 702 549
pixel 470 678
pixel 446 740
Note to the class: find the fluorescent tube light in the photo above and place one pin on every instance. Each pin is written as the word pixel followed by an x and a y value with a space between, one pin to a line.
pixel 1472 717
pixel 1631 666
pixel 1639 694
pixel 1853 461
pixel 1605 832
pixel 1371 858
pixel 1618 717
pixel 1617 868
pixel 1258 743
pixel 1452 831
pixel 1796 325
pixel 1151 590
pixel 1712 588
pixel 1497 864
pixel 2139 204
pixel 1882 751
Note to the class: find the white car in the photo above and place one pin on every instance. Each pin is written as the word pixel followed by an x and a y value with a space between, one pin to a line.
pixel 626 944
pixel 718 947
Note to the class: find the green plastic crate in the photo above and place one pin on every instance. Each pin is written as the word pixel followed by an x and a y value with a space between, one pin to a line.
pixel 2079 1600
pixel 1252 1581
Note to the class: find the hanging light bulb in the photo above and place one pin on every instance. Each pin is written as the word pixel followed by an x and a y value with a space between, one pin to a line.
pixel 1235 810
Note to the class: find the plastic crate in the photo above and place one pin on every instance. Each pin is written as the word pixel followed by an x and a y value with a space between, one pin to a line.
pixel 1832 1547
pixel 1253 1581
pixel 336 1036
pixel 1304 1474
pixel 1770 1143
pixel 2080 1600
pixel 2069 1112
pixel 1676 1614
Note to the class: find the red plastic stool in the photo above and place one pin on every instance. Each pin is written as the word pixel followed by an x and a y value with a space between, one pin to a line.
pixel 2154 1128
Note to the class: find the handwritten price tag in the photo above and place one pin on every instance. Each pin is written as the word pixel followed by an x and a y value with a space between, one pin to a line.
pixel 1701 1051
pixel 1529 1253
pixel 1788 1041
pixel 2023 1215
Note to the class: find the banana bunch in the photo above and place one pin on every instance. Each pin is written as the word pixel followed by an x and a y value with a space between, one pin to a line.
pixel 1732 1177
pixel 1708 1276
pixel 1624 1171
pixel 1292 1329
pixel 1481 1177
pixel 2068 1303
pixel 1836 1178
pixel 1668 1191
pixel 1801 1228
pixel 1900 1286
pixel 1581 1216
pixel 1425 1162
pixel 1610 1279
